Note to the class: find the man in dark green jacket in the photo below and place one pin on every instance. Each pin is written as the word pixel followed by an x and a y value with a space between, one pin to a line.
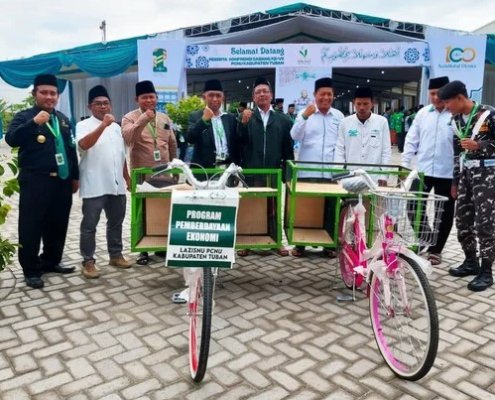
pixel 265 136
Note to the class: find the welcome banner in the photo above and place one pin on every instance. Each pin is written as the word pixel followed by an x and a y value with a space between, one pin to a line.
pixel 459 56
pixel 352 55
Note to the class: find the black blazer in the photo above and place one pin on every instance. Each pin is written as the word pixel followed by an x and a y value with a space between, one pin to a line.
pixel 201 135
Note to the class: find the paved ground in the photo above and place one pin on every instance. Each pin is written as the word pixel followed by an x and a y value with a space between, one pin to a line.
pixel 279 333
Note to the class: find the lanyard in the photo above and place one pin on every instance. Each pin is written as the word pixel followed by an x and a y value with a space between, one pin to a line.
pixel 463 133
pixel 152 130
pixel 55 130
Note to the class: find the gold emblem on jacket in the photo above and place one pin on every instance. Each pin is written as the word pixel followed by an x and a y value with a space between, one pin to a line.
pixel 41 139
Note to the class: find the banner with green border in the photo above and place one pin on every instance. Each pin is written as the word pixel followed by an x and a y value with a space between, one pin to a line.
pixel 202 228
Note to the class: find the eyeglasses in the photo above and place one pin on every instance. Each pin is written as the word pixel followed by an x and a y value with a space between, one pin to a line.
pixel 100 103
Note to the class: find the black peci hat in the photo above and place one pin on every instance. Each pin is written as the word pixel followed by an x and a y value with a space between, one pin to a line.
pixel 144 87
pixel 437 83
pixel 45 79
pixel 323 82
pixel 97 91
pixel 213 84
pixel 363 93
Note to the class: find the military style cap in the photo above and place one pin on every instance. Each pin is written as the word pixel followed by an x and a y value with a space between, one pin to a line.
pixel 452 89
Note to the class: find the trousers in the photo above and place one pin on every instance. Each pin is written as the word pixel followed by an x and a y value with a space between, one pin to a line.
pixel 44 207
pixel 114 207
pixel 476 202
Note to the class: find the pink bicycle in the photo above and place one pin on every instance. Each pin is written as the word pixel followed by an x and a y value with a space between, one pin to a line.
pixel 402 306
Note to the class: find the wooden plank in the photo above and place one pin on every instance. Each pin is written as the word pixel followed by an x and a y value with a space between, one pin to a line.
pixel 309 212
pixel 153 241
pixel 252 216
pixel 157 215
pixel 254 240
pixel 311 236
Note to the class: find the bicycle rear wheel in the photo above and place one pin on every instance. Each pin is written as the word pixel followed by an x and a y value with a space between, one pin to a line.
pixel 406 332
pixel 200 309
pixel 347 249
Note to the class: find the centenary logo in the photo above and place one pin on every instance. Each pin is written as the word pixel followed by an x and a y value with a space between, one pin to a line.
pixel 458 54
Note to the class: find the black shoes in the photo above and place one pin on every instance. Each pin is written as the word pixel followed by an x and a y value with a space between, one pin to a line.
pixel 470 266
pixel 59 269
pixel 484 279
pixel 35 282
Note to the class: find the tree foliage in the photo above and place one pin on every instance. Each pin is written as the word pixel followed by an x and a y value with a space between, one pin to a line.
pixel 179 113
pixel 8 178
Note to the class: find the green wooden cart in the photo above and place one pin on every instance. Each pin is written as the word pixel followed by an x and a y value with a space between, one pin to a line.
pixel 259 219
pixel 312 206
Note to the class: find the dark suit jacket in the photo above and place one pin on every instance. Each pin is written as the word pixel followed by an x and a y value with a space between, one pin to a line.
pixel 266 148
pixel 201 135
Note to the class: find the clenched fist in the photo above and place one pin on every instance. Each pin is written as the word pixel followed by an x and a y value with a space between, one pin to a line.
pixel 310 110
pixel 246 116
pixel 207 113
pixel 150 114
pixel 108 119
pixel 41 118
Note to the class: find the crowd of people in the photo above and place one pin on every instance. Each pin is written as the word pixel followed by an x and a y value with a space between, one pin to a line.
pixel 452 140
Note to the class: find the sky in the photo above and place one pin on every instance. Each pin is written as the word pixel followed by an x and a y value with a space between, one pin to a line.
pixel 28 28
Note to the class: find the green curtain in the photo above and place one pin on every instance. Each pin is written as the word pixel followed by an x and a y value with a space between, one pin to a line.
pixel 101 60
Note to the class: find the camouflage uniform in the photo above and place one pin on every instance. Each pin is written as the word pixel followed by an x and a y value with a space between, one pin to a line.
pixel 476 185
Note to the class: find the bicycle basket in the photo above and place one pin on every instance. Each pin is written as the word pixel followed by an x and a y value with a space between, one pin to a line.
pixel 415 216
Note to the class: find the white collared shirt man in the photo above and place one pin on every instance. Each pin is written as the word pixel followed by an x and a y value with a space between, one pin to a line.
pixel 364 137
pixel 316 129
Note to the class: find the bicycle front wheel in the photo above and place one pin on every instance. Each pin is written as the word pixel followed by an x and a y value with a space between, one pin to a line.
pixel 406 331
pixel 200 309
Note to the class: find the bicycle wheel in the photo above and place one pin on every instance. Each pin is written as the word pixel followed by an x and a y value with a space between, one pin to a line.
pixel 406 334
pixel 200 309
pixel 347 249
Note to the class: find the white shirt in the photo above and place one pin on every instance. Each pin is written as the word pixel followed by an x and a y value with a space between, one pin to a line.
pixel 265 116
pixel 317 136
pixel 431 139
pixel 101 166
pixel 364 143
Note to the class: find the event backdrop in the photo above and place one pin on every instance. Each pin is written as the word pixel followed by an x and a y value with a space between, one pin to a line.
pixel 162 62
pixel 459 56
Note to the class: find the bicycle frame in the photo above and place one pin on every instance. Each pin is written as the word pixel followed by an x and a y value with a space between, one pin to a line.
pixel 200 281
pixel 381 258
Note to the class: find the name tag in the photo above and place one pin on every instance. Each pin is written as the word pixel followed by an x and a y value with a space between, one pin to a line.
pixel 156 155
pixel 59 159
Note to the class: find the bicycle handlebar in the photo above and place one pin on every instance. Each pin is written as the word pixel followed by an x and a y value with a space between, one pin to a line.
pixel 221 183
pixel 369 182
